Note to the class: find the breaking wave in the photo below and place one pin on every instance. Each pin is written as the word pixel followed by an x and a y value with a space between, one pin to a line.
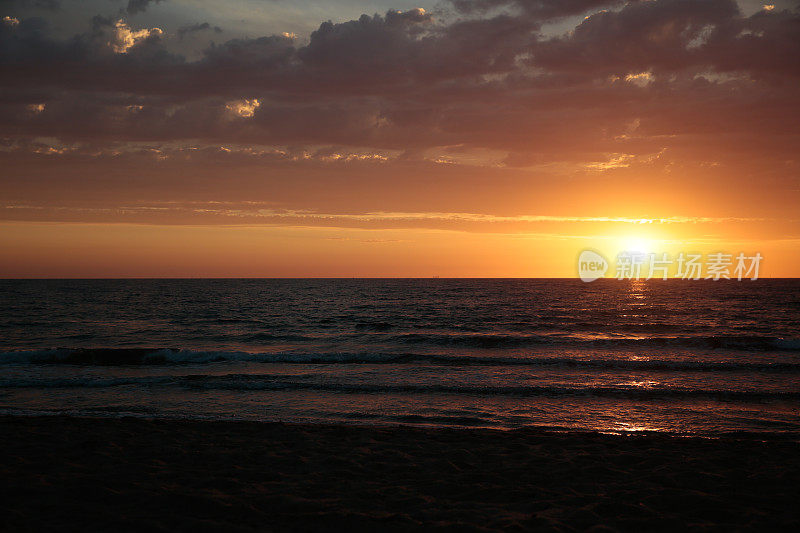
pixel 168 356
pixel 279 382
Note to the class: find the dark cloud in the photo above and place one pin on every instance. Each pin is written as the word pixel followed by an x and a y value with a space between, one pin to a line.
pixel 411 51
pixel 193 28
pixel 645 87
pixel 139 6
pixel 47 5
pixel 766 43
pixel 675 35
pixel 273 52
pixel 638 37
pixel 541 10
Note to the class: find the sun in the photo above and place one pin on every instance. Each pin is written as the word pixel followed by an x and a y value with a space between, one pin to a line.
pixel 638 245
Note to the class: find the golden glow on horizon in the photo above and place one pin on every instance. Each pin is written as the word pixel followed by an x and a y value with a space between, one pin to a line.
pixel 129 250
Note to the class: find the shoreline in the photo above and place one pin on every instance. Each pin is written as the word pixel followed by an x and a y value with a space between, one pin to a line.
pixel 137 473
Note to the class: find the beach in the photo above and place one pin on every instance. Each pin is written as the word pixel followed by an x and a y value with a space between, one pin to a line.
pixel 145 474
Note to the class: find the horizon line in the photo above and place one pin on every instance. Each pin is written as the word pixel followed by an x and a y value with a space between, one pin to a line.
pixel 576 278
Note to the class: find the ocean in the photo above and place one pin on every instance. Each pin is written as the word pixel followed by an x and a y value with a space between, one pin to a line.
pixel 678 357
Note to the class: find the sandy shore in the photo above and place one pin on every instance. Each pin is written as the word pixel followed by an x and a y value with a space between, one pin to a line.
pixel 128 474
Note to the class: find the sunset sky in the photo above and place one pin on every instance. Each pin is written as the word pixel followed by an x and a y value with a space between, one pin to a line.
pixel 261 138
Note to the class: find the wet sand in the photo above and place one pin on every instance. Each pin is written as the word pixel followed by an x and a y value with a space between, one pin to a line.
pixel 131 474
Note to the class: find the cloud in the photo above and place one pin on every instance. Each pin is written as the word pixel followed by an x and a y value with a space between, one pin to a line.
pixel 139 6
pixel 694 93
pixel 641 79
pixel 539 10
pixel 41 5
pixel 639 37
pixel 123 38
pixel 51 5
pixel 243 108
pixel 194 28
pixel 674 36
pixel 248 213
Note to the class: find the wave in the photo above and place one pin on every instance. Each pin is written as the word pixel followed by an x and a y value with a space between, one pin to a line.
pixel 168 356
pixel 278 382
pixel 733 342
pixel 248 383
pixel 83 382
pixel 395 343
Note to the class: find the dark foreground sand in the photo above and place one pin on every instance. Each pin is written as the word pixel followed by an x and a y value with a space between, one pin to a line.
pixel 127 474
